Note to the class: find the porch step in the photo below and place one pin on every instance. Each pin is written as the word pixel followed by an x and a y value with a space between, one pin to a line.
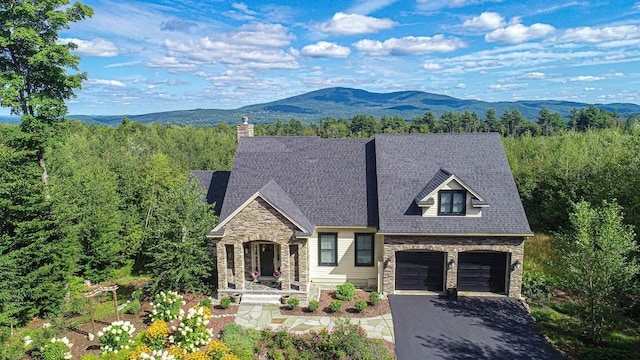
pixel 260 299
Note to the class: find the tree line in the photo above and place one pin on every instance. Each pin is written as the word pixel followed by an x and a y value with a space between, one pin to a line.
pixel 510 124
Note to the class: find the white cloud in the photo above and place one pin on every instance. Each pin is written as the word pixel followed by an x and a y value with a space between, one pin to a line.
pixel 587 78
pixel 589 89
pixel 507 87
pixel 431 5
pixel 325 49
pixel 103 82
pixel 171 64
pixel 534 75
pixel 353 24
pixel 368 6
pixel 250 46
pixel 485 21
pixel 518 33
pixel 97 47
pixel 431 66
pixel 461 86
pixel 587 34
pixel 410 45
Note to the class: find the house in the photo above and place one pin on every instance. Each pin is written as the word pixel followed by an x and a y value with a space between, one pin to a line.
pixel 397 213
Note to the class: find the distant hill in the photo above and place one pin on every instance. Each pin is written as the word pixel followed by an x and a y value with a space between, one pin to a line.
pixel 346 102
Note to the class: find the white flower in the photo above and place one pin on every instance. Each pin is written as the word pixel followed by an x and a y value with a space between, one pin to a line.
pixel 46 325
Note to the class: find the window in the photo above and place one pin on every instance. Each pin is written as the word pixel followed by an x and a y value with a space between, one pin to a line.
pixel 364 249
pixel 327 249
pixel 452 202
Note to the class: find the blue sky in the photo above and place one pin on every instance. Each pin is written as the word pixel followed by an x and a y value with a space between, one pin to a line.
pixel 150 56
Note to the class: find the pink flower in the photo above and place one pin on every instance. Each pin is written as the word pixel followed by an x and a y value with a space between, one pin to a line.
pixel 276 274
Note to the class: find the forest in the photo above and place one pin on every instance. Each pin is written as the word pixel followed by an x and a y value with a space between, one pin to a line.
pixel 114 191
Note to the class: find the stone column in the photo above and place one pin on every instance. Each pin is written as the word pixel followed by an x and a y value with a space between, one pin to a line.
pixel 238 265
pixel 285 268
pixel 303 262
pixel 221 255
pixel 389 273
pixel 452 274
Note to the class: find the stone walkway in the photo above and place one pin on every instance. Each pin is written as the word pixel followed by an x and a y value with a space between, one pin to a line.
pixel 261 316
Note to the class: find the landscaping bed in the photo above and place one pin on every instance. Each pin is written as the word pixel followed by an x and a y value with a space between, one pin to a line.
pixel 348 309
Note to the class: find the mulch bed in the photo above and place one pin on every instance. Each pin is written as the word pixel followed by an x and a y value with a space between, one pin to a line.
pixel 348 307
pixel 82 346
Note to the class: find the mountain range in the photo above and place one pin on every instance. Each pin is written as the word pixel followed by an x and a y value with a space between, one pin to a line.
pixel 346 102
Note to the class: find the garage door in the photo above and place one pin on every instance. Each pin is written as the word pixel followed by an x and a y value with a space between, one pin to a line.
pixel 482 271
pixel 420 270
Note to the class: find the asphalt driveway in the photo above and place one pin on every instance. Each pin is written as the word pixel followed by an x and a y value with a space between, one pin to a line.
pixel 429 327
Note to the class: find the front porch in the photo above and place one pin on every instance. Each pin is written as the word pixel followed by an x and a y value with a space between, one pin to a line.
pixel 262 267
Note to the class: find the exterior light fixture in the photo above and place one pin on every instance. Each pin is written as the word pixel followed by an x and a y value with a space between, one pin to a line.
pixel 387 263
pixel 516 265
pixel 451 264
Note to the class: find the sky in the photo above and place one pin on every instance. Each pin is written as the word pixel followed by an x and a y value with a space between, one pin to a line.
pixel 151 56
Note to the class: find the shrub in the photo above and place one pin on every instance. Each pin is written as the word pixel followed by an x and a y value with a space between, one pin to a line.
pixel 205 302
pixel 57 349
pixel 241 341
pixel 346 292
pixel 137 294
pixel 361 305
pixel 374 297
pixel 535 285
pixel 215 349
pixel 275 354
pixel 225 302
pixel 116 336
pixel 196 355
pixel 167 306
pixel 313 305
pixel 156 335
pixel 132 307
pixel 335 305
pixel 136 353
pixel 293 302
pixel 192 332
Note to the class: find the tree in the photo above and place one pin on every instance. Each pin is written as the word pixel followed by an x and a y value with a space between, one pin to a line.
pixel 36 261
pixel 34 82
pixel 550 122
pixel 181 257
pixel 600 266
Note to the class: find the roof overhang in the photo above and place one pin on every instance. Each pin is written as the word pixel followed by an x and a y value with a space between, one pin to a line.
pixel 456 234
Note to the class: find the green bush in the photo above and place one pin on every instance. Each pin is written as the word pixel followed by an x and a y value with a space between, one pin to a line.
pixel 138 294
pixel 374 297
pixel 536 285
pixel 132 307
pixel 207 302
pixel 346 292
pixel 313 305
pixel 275 354
pixel 166 306
pixel 361 305
pixel 241 341
pixel 56 349
pixel 293 303
pixel 225 302
pixel 335 305
pixel 605 353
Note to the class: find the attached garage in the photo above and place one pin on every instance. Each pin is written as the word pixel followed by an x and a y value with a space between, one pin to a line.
pixel 482 271
pixel 420 270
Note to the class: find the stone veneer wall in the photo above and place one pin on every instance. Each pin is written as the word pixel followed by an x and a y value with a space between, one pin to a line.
pixel 453 245
pixel 260 221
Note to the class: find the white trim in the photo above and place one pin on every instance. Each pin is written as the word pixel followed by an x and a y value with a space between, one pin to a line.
pixel 246 203
pixel 446 182
pixel 455 234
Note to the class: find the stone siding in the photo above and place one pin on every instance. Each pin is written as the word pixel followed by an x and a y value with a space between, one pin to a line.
pixel 452 245
pixel 258 221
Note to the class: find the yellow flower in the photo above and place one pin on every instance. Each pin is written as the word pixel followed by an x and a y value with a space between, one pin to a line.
pixel 176 351
pixel 156 334
pixel 135 353
pixel 217 348
pixel 205 311
pixel 197 355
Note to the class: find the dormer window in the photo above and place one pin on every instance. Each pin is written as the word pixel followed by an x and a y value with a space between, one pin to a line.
pixel 452 202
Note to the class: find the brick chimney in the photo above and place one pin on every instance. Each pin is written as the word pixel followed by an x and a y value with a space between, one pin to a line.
pixel 245 129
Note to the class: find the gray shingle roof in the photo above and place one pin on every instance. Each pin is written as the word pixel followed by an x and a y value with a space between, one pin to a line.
pixel 404 163
pixel 275 195
pixel 331 181
pixel 215 183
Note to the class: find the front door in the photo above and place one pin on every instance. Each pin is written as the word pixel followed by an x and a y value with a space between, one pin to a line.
pixel 266 259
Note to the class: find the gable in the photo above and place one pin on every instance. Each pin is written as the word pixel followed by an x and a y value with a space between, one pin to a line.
pixel 412 169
